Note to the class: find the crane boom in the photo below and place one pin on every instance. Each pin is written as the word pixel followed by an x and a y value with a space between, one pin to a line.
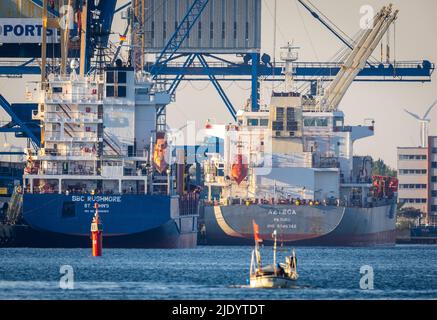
pixel 357 58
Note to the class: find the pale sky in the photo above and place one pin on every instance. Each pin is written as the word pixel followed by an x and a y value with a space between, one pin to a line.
pixel 384 102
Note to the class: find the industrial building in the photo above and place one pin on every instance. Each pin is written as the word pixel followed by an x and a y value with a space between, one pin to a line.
pixel 432 163
pixel 417 173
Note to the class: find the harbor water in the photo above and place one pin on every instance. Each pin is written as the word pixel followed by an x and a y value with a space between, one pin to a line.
pixel 401 272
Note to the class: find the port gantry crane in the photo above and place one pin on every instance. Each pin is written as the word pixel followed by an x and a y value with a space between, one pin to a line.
pixel 201 66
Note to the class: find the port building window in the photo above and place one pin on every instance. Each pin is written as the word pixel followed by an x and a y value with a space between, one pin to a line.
pixel 434 179
pixel 434 193
pixel 434 208
pixel 412 186
pixel 434 150
pixel 418 201
pixel 412 171
pixel 412 157
pixel 434 165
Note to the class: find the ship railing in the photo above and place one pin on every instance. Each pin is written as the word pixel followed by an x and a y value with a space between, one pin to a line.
pixel 75 116
pixel 74 153
pixel 70 98
pixel 134 172
pixel 82 138
pixel 77 172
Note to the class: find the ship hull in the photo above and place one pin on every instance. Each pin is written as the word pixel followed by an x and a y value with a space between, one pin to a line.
pixel 300 225
pixel 129 221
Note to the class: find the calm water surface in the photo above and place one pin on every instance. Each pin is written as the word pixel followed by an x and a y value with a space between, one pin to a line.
pixel 401 272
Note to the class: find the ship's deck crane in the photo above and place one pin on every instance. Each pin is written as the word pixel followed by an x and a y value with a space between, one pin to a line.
pixel 357 59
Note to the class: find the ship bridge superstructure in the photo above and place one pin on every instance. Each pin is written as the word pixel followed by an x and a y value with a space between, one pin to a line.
pixel 98 134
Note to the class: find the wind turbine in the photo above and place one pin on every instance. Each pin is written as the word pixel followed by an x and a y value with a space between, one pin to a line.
pixel 424 124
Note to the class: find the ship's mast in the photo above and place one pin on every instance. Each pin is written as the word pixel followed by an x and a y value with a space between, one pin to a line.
pixel 289 57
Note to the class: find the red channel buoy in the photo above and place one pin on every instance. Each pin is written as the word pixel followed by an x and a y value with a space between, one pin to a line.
pixel 97 233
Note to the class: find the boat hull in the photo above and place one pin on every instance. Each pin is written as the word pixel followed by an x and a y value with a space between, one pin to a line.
pixel 300 225
pixel 129 221
pixel 270 282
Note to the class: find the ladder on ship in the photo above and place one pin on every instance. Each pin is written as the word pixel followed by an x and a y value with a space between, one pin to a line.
pixel 112 144
pixel 15 208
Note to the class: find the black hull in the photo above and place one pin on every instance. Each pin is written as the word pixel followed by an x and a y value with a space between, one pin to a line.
pixel 356 227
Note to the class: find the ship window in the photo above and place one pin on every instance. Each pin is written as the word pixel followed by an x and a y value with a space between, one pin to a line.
pixel 264 122
pixel 338 122
pixel 321 122
pixel 315 122
pixel 279 114
pixel 278 125
pixel 142 91
pixel 68 209
pixel 122 77
pixel 292 126
pixel 252 122
pixel 110 77
pixel 309 122
pixel 110 92
pixel 121 91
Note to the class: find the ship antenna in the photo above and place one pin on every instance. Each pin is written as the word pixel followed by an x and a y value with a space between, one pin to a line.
pixel 289 57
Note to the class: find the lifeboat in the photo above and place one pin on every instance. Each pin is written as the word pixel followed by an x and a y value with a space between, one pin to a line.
pixel 239 170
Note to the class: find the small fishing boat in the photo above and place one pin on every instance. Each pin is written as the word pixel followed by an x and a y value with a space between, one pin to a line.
pixel 276 275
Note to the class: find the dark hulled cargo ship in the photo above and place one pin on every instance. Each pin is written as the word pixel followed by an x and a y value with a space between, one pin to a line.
pixel 290 167
pixel 103 142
